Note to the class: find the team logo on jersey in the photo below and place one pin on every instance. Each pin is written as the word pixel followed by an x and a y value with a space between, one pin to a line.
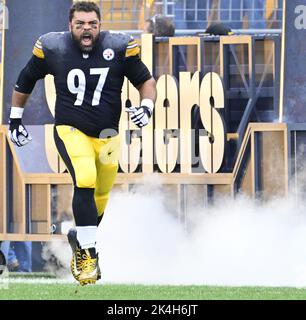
pixel 108 54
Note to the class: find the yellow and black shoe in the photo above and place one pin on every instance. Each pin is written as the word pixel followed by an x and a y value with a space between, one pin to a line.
pixel 89 267
pixel 76 260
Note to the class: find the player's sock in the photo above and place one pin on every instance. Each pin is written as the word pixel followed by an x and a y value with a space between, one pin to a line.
pixel 85 215
pixel 87 236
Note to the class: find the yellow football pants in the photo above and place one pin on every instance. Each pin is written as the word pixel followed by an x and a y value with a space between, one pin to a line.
pixel 92 162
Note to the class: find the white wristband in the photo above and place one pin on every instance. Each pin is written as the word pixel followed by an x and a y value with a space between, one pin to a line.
pixel 16 112
pixel 148 103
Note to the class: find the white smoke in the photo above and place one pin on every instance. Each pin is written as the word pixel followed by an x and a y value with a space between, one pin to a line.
pixel 235 242
pixel 57 256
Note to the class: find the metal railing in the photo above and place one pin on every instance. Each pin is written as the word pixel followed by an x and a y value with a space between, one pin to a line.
pixel 236 13
pixel 194 14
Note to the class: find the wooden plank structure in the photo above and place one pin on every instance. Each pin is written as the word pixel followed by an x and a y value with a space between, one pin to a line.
pixel 31 191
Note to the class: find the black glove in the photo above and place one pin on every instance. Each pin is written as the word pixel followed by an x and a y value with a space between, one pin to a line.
pixel 18 133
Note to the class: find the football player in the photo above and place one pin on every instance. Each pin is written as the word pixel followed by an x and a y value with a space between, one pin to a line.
pixel 89 67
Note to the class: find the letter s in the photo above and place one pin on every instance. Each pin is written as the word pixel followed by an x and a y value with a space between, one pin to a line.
pixel 212 145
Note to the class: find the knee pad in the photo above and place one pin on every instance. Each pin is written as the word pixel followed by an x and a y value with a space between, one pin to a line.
pixel 85 173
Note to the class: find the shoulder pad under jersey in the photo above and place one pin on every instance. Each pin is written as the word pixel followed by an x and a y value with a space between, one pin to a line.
pixel 52 41
pixel 120 41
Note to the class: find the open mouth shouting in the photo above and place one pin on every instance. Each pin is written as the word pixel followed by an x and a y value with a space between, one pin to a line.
pixel 87 39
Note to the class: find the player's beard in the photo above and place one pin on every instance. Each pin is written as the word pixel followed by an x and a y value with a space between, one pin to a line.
pixel 85 48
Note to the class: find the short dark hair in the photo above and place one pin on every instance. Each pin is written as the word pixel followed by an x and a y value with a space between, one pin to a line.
pixel 161 26
pixel 85 6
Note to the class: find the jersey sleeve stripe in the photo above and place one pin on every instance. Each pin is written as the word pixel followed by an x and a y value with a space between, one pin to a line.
pixel 38 52
pixel 132 46
pixel 38 46
pixel 132 52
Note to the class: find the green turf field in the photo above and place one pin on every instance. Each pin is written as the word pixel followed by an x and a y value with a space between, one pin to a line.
pixel 66 291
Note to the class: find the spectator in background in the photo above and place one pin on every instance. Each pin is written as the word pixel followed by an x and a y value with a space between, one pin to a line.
pixel 160 26
pixel 2 261
pixel 18 255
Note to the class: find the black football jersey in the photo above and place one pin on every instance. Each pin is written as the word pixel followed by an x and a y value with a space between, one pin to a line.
pixel 88 86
